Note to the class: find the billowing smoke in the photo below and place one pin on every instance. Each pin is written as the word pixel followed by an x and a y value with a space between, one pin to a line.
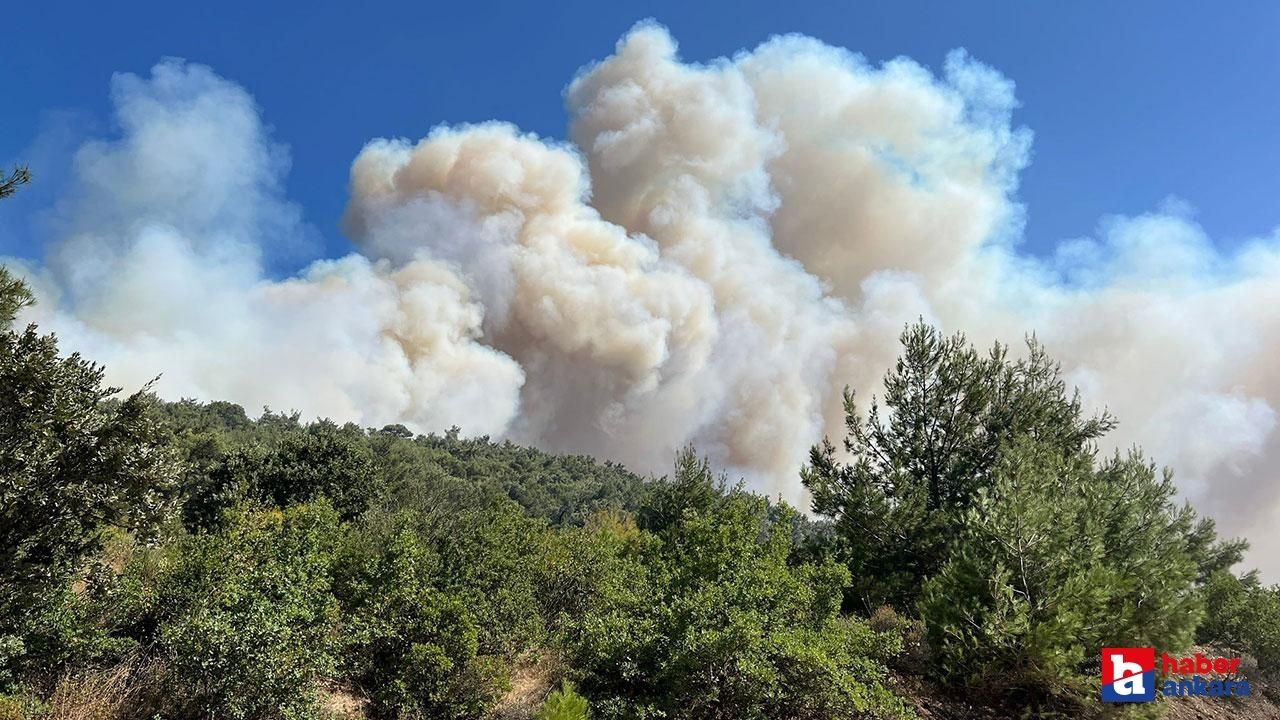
pixel 718 251
pixel 159 269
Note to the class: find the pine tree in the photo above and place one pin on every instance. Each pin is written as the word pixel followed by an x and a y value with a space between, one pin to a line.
pixel 919 461
pixel 19 176
pixel 564 704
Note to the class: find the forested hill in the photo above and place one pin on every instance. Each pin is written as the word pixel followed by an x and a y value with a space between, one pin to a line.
pixel 354 466
pixel 972 552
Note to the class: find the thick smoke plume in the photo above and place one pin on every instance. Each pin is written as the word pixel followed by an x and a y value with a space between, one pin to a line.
pixel 718 251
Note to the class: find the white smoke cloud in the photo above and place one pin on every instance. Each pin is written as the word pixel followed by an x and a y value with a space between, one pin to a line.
pixel 717 252
pixel 159 269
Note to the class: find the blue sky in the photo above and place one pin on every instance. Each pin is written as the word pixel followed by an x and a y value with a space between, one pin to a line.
pixel 1130 102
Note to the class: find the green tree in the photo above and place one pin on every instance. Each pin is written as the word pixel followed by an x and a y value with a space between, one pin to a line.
pixel 977 497
pixel 71 466
pixel 1055 560
pixel 918 464
pixel 692 488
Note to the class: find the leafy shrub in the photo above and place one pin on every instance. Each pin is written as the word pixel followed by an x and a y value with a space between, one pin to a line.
pixel 412 646
pixel 909 630
pixel 489 558
pixel 1244 616
pixel 710 621
pixel 245 617
pixel 582 565
pixel 563 489
pixel 20 707
pixel 320 461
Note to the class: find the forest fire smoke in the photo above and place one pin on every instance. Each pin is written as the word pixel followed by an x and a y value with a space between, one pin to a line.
pixel 717 251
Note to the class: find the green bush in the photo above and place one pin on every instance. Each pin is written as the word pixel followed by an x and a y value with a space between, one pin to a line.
pixel 245 618
pixel 1244 616
pixel 707 619
pixel 583 565
pixel 20 707
pixel 1050 567
pixel 489 558
pixel 564 704
pixel 320 461
pixel 412 647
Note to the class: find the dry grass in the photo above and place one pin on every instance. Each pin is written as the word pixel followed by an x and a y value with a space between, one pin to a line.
pixel 124 692
pixel 534 676
pixel 342 702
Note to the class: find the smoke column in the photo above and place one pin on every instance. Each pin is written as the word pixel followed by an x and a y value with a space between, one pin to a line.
pixel 717 251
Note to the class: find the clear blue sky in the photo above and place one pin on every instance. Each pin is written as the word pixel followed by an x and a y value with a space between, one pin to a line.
pixel 1130 102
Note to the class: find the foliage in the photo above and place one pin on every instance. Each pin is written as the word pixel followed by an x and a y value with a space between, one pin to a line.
pixel 1244 616
pixel 20 707
pixel 14 296
pixel 1056 560
pixel 918 464
pixel 320 461
pixel 71 466
pixel 977 497
pixel 276 459
pixel 413 646
pixel 563 489
pixel 8 186
pixel 244 617
pixel 564 704
pixel 711 621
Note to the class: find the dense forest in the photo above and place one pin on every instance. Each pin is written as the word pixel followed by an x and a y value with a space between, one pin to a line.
pixel 187 560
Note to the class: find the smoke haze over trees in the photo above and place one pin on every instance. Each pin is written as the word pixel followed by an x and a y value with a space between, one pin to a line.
pixel 720 250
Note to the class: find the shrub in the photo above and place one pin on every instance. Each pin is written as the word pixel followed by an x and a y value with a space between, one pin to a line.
pixel 246 616
pixel 710 620
pixel 564 704
pixel 489 558
pixel 20 707
pixel 1244 616
pixel 413 647
pixel 582 565
pixel 321 461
